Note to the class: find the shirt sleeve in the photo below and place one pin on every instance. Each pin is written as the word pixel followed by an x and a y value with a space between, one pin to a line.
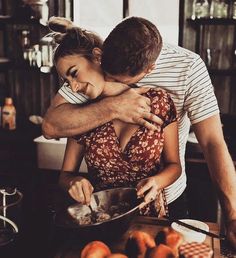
pixel 163 106
pixel 200 100
pixel 72 97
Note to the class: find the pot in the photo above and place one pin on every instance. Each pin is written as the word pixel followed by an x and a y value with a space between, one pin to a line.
pixel 107 229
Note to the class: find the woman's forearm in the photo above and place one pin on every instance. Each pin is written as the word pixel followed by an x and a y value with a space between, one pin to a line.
pixel 168 175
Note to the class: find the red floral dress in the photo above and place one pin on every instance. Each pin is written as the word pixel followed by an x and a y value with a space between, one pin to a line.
pixel 111 167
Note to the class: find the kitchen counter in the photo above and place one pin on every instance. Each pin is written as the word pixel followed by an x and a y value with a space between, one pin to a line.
pixel 69 249
pixel 36 239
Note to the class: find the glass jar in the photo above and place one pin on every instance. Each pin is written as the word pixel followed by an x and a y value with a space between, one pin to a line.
pixel 233 7
pixel 200 9
pixel 219 9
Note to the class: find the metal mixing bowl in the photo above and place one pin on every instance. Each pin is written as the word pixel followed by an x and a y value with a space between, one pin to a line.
pixel 110 228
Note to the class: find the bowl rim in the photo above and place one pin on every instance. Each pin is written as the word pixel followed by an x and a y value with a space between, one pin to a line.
pixel 108 220
pixel 201 225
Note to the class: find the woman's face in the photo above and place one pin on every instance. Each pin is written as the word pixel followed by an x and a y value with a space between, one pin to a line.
pixel 83 76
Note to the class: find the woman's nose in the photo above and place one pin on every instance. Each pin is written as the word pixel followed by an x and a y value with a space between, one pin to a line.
pixel 74 85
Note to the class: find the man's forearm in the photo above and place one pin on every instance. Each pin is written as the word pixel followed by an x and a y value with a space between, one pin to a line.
pixel 68 120
pixel 223 175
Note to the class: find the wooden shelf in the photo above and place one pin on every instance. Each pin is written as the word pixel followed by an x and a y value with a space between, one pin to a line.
pixel 222 72
pixel 213 21
pixel 6 19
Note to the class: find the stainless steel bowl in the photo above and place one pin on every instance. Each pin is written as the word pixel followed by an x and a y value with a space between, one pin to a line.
pixel 110 228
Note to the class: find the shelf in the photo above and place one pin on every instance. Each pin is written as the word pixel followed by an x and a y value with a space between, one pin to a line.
pixel 222 72
pixel 5 63
pixel 213 21
pixel 6 19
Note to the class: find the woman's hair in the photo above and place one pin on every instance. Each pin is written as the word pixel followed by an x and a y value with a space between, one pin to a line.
pixel 72 39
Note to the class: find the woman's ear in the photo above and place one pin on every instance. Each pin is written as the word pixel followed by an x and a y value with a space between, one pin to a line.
pixel 97 54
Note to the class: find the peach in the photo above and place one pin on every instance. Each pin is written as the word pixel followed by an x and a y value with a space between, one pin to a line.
pixel 160 251
pixel 95 249
pixel 138 243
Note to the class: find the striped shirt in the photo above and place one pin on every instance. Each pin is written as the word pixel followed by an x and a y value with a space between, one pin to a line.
pixel 184 75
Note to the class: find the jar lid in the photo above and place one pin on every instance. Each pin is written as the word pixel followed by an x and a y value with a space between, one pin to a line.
pixel 8 101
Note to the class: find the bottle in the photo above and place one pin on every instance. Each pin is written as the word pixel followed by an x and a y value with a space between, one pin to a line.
pixel 9 115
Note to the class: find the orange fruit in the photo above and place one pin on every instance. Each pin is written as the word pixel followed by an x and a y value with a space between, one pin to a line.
pixel 160 251
pixel 95 249
pixel 138 243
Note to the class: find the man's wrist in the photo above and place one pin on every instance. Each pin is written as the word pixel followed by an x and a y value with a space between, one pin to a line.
pixel 109 107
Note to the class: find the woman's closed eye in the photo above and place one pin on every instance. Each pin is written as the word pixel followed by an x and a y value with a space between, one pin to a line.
pixel 73 74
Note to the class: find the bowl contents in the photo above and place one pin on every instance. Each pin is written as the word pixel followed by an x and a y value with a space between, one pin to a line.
pixel 101 214
pixel 190 235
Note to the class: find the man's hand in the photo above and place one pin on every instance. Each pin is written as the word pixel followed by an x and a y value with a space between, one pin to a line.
pixel 81 190
pixel 132 107
pixel 231 232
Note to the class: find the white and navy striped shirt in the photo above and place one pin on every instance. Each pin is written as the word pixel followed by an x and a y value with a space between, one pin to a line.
pixel 184 75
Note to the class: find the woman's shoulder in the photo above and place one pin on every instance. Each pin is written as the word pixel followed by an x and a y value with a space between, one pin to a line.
pixel 157 91
pixel 158 94
pixel 162 104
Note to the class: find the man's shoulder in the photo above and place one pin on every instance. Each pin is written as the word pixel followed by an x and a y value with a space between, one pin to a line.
pixel 170 51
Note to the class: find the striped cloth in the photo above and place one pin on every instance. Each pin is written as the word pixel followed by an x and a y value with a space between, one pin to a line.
pixel 184 75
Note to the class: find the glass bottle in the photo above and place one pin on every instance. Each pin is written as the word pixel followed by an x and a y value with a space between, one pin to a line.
pixel 9 115
pixel 200 9
pixel 25 39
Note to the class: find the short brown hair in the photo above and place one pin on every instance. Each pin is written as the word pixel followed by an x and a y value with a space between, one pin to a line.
pixel 131 46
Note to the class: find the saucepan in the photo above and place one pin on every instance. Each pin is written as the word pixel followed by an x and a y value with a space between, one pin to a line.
pixel 121 204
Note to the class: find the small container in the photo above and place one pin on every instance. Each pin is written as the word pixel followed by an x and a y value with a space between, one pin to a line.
pixel 9 115
pixel 190 235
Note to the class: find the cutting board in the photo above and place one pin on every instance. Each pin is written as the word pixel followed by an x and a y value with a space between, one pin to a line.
pixel 153 226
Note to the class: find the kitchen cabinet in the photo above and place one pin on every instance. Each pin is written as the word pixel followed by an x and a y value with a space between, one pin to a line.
pixel 214 39
pixel 21 76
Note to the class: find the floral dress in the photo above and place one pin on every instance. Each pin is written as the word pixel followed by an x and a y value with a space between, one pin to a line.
pixel 110 167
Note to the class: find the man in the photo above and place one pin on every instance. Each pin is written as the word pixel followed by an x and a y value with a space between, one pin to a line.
pixel 183 74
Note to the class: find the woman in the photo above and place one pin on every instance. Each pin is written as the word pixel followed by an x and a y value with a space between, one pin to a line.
pixel 117 153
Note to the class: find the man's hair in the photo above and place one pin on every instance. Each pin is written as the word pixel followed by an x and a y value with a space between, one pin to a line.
pixel 131 47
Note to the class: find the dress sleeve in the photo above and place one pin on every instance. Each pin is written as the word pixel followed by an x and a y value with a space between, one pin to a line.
pixel 163 106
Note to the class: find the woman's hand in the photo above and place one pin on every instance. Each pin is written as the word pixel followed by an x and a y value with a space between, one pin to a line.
pixel 148 189
pixel 81 190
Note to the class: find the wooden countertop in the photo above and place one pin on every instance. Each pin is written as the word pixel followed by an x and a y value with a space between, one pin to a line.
pixel 148 224
pixel 153 226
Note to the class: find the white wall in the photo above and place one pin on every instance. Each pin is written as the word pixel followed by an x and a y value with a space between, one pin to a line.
pixel 163 13
pixel 102 15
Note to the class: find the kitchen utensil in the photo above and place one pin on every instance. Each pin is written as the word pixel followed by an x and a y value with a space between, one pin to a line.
pixel 10 200
pixel 182 223
pixel 111 228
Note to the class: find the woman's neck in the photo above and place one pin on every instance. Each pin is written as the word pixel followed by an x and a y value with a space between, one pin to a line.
pixel 113 89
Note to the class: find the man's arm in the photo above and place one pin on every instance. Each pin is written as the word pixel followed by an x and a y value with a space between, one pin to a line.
pixel 63 119
pixel 210 136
